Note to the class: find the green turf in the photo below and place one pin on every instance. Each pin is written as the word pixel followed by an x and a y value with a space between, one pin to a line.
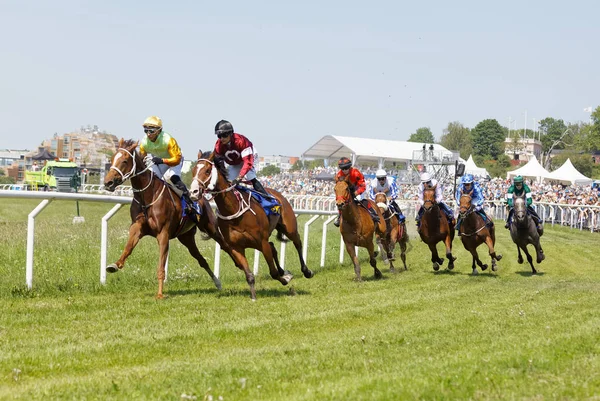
pixel 414 335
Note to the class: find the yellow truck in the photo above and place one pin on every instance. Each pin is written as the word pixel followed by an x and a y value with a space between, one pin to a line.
pixel 60 175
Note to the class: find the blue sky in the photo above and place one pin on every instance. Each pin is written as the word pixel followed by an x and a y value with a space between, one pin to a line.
pixel 287 74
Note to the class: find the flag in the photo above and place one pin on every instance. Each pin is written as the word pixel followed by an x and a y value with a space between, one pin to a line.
pixel 588 109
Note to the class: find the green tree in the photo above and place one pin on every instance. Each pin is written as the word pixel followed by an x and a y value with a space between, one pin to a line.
pixel 581 161
pixel 299 165
pixel 551 132
pixel 269 170
pixel 488 138
pixel 423 135
pixel 457 137
pixel 498 168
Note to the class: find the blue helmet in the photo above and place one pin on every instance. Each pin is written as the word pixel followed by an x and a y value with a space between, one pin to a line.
pixel 467 179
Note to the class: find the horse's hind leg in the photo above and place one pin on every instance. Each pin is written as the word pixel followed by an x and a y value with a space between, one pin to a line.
pixel 539 251
pixel 276 259
pixel 478 261
pixel 188 239
pixel 135 234
pixel 373 258
pixel 403 247
pixel 352 253
pixel 295 237
pixel 163 247
pixel 451 258
pixel 267 252
pixel 489 240
pixel 529 259
pixel 239 258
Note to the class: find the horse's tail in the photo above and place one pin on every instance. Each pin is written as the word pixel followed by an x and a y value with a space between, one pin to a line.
pixel 281 236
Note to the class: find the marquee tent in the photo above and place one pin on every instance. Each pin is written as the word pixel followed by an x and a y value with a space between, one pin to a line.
pixel 533 169
pixel 471 168
pixel 568 174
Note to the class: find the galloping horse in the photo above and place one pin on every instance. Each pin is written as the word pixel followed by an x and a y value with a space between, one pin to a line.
pixel 156 211
pixel 474 232
pixel 523 231
pixel 243 222
pixel 357 228
pixel 435 228
pixel 396 231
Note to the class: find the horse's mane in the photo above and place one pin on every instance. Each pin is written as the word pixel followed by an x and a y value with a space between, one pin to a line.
pixel 219 162
pixel 129 143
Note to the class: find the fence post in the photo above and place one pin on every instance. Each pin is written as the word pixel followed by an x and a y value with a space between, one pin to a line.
pixel 30 239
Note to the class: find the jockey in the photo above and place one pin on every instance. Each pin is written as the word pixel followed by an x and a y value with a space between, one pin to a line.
pixel 387 185
pixel 468 185
pixel 428 182
pixel 518 188
pixel 162 153
pixel 239 155
pixel 357 185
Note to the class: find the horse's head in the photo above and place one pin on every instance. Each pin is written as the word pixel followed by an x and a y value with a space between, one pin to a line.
pixel 464 204
pixel 428 198
pixel 381 201
pixel 342 194
pixel 207 173
pixel 124 164
pixel 520 210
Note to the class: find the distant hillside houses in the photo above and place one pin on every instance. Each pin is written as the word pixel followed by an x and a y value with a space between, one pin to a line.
pixel 284 163
pixel 88 147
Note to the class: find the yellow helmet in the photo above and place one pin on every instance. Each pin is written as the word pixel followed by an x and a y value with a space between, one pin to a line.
pixel 153 121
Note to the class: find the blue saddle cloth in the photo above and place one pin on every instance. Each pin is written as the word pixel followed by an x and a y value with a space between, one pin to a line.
pixel 269 205
pixel 194 205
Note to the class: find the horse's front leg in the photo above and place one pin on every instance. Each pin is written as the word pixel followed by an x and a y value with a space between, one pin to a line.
pixel 135 234
pixel 239 258
pixel 352 253
pixel 373 259
pixel 539 251
pixel 188 239
pixel 163 248
pixel 435 258
pixel 477 260
pixel 529 259
pixel 267 252
pixel 489 241
pixel 451 258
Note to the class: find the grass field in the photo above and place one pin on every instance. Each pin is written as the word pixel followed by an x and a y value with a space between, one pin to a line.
pixel 414 335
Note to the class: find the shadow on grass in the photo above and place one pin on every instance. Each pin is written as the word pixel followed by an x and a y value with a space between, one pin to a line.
pixel 446 272
pixel 528 273
pixel 235 292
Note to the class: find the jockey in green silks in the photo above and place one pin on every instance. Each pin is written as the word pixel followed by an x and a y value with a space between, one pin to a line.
pixel 517 189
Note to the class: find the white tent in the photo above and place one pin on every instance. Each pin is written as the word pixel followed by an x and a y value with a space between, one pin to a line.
pixel 567 173
pixel 471 168
pixel 533 169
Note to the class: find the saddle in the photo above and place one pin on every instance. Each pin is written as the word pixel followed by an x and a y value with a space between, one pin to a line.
pixel 184 206
pixel 270 205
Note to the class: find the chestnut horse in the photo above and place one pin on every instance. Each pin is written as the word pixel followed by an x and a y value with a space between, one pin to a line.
pixel 435 228
pixel 523 232
pixel 396 231
pixel 243 222
pixel 357 228
pixel 156 211
pixel 474 232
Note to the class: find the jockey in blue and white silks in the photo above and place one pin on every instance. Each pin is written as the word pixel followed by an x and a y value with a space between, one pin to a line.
pixel 469 186
pixel 387 185
pixel 428 182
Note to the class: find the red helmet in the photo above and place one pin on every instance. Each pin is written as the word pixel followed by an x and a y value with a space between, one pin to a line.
pixel 344 163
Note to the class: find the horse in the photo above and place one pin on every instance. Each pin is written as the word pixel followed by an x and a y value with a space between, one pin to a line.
pixel 474 232
pixel 243 222
pixel 523 232
pixel 435 228
pixel 396 231
pixel 156 211
pixel 357 228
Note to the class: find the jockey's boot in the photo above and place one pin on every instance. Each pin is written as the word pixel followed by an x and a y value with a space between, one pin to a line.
pixel 457 227
pixel 336 222
pixel 258 187
pixel 507 225
pixel 185 194
pixel 374 214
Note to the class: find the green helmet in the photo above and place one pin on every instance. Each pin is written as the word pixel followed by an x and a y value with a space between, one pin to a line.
pixel 518 179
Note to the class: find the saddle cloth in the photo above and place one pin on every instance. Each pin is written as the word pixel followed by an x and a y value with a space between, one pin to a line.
pixel 270 206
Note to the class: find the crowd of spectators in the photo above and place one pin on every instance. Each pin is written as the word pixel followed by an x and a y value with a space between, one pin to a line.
pixel 320 182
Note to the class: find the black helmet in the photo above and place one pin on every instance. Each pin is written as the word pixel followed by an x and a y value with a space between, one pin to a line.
pixel 223 127
pixel 344 163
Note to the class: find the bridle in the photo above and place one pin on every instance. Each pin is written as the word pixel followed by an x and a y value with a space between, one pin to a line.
pixel 132 173
pixel 429 201
pixel 469 210
pixel 343 199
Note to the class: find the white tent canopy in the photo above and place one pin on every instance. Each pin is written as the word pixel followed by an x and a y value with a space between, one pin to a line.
pixel 567 173
pixel 471 168
pixel 533 169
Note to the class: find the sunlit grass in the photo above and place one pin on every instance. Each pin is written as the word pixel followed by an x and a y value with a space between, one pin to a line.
pixel 414 335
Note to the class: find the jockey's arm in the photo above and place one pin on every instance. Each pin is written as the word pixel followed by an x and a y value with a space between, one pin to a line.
pixel 509 196
pixel 372 192
pixel 174 154
pixel 421 188
pixel 439 194
pixel 393 192
pixel 528 195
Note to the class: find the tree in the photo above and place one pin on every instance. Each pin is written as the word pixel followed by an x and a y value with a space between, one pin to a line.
pixel 423 135
pixel 299 165
pixel 498 168
pixel 581 161
pixel 488 138
pixel 515 145
pixel 551 131
pixel 269 170
pixel 457 137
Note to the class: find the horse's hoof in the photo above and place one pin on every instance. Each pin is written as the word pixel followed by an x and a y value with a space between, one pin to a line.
pixel 218 284
pixel 358 279
pixel 450 266
pixel 392 270
pixel 441 261
pixel 112 268
pixel 287 278
pixel 436 267
pixel 378 275
pixel 475 272
pixel 494 268
pixel 375 253
pixel 309 273
pixel 484 268
pixel 499 256
pixel 160 296
pixel 520 261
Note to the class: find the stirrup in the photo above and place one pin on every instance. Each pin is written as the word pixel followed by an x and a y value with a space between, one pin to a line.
pixel 336 222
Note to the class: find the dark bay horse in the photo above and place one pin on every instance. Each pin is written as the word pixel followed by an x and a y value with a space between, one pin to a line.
pixel 395 230
pixel 523 232
pixel 243 222
pixel 435 228
pixel 357 228
pixel 156 211
pixel 474 232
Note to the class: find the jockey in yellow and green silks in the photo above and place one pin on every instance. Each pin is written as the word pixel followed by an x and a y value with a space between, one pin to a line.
pixel 517 189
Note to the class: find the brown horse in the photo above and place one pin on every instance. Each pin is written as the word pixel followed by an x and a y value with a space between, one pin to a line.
pixel 474 232
pixel 396 231
pixel 357 228
pixel 243 222
pixel 156 211
pixel 435 228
